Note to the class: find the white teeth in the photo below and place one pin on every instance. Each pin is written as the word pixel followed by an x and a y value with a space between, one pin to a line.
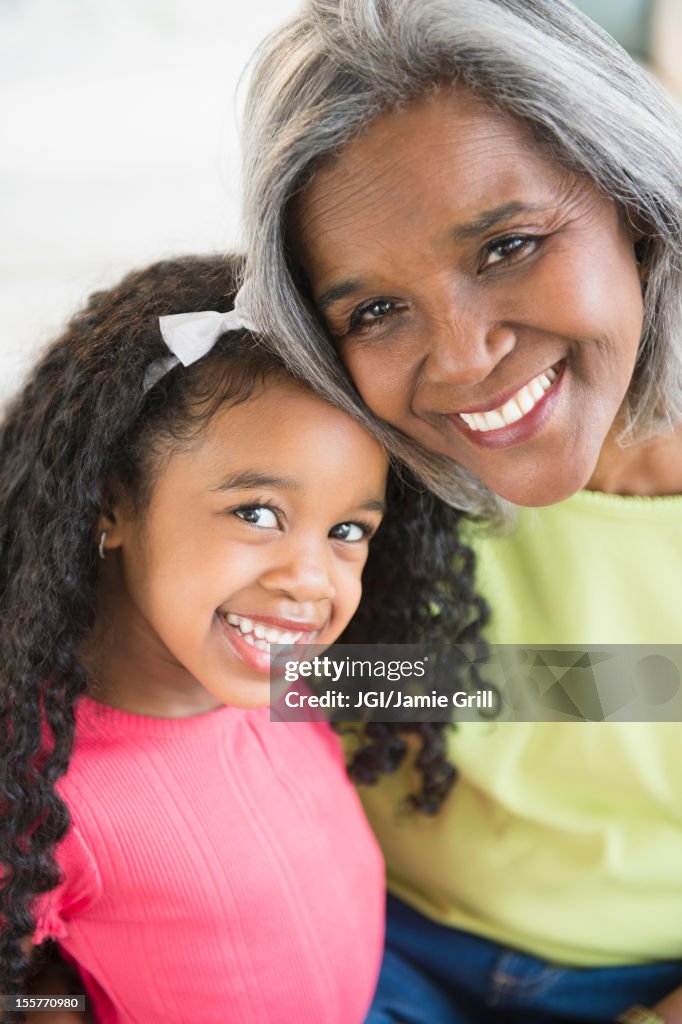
pixel 536 390
pixel 510 412
pixel 525 400
pixel 289 638
pixel 522 403
pixel 493 419
pixel 260 645
pixel 261 636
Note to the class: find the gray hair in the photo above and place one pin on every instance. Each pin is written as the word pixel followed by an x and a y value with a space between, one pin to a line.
pixel 320 80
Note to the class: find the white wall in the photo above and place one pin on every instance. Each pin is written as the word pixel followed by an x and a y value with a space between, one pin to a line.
pixel 118 133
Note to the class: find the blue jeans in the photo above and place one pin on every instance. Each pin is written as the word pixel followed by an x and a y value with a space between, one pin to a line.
pixel 432 974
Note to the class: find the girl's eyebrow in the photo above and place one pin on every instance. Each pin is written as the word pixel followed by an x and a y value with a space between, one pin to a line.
pixel 373 505
pixel 249 478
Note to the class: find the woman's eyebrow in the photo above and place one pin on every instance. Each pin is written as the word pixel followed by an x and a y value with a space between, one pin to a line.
pixel 249 478
pixel 339 291
pixel 472 229
pixel 490 218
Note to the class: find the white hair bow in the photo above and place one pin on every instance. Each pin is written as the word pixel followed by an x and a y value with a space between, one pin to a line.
pixel 190 336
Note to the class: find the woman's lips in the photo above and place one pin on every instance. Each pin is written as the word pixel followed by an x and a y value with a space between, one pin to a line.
pixel 529 408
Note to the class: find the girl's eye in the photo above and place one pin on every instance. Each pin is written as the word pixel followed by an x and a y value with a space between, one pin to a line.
pixel 350 532
pixel 258 515
pixel 371 313
pixel 506 250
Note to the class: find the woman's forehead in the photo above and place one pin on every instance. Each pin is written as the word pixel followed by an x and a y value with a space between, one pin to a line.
pixel 446 156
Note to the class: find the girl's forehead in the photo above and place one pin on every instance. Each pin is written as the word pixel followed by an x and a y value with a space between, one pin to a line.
pixel 282 432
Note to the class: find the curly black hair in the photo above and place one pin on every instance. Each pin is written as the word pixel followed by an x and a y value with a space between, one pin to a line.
pixel 418 587
pixel 84 420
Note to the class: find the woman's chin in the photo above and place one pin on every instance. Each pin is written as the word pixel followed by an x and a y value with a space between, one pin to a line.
pixel 542 486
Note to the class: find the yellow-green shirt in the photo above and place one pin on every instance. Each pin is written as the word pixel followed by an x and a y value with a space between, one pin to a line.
pixel 561 839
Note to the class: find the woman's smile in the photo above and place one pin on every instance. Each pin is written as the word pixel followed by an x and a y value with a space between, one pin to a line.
pixel 514 417
pixel 486 301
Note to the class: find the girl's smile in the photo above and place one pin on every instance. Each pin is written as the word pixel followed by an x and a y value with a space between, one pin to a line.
pixel 486 301
pixel 256 533
pixel 250 636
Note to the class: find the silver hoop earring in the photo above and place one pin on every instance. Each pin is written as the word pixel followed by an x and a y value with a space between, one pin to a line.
pixel 100 546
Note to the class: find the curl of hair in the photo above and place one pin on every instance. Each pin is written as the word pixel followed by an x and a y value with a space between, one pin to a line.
pixel 321 79
pixel 418 587
pixel 81 421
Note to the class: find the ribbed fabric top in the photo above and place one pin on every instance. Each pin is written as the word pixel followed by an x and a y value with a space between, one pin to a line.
pixel 562 839
pixel 219 870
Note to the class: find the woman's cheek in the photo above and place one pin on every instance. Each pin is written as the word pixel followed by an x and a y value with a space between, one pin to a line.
pixel 383 378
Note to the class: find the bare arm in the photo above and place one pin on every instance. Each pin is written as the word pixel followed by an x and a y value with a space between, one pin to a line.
pixel 670 1008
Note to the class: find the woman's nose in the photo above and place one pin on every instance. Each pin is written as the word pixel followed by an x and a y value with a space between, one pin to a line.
pixel 463 349
pixel 301 572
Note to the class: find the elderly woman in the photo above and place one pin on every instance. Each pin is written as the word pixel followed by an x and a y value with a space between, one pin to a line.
pixel 475 206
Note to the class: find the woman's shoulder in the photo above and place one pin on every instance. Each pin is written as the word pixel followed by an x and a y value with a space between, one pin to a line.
pixel 596 568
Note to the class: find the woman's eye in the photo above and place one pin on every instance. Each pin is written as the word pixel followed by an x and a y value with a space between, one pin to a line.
pixel 351 532
pixel 506 249
pixel 258 515
pixel 371 312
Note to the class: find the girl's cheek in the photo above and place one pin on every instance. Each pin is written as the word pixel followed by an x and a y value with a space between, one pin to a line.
pixel 353 591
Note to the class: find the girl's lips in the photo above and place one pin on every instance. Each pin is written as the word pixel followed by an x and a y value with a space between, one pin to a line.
pixel 279 622
pixel 523 429
pixel 251 656
pixel 256 651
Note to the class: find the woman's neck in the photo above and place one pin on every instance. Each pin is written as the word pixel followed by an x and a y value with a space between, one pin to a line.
pixel 650 469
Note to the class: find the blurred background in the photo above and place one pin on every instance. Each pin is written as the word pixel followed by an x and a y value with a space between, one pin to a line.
pixel 118 130
pixel 118 134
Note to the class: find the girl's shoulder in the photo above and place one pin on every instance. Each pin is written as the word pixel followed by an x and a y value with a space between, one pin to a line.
pixel 81 885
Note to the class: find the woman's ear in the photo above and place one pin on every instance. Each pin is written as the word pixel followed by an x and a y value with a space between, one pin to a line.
pixel 641 242
pixel 643 257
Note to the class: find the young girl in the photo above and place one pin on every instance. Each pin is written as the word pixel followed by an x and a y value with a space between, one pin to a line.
pixel 162 524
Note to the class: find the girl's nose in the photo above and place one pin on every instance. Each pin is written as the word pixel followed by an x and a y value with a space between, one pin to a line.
pixel 302 573
pixel 463 349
